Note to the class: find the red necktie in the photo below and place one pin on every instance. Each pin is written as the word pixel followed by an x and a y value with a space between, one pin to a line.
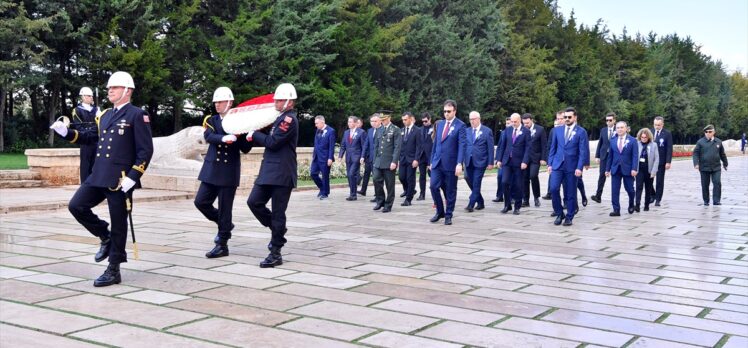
pixel 446 131
pixel 350 137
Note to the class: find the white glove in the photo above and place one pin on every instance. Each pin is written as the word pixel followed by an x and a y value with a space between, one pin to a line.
pixel 228 139
pixel 249 135
pixel 59 128
pixel 127 184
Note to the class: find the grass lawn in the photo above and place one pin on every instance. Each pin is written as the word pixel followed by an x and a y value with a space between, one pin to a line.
pixel 303 183
pixel 13 161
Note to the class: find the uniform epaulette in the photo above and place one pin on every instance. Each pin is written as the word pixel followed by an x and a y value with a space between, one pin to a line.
pixel 98 115
pixel 75 115
pixel 206 124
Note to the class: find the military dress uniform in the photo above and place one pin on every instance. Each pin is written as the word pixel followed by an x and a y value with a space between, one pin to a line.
pixel 219 177
pixel 710 156
pixel 277 178
pixel 125 145
pixel 386 151
pixel 85 120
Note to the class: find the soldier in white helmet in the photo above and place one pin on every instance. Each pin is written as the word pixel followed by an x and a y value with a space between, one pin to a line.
pixel 123 152
pixel 277 176
pixel 84 118
pixel 221 171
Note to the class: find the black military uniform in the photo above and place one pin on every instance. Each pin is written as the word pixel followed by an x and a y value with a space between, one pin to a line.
pixel 423 162
pixel 125 145
pixel 276 180
pixel 85 120
pixel 410 150
pixel 709 156
pixel 220 176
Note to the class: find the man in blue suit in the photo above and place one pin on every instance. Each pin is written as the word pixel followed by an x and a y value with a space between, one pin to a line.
pixel 567 156
pixel 352 147
pixel 622 164
pixel 538 155
pixel 602 152
pixel 427 142
pixel 478 156
pixel 369 151
pixel 410 151
pixel 512 156
pixel 446 162
pixel 323 156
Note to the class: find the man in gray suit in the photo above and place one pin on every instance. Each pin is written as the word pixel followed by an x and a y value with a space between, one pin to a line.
pixel 386 155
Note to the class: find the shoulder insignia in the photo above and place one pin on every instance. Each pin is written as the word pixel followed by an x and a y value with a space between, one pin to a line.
pixel 288 119
pixel 146 119
pixel 140 168
pixel 206 124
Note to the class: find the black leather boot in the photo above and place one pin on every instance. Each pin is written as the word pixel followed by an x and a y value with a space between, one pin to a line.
pixel 273 259
pixel 111 276
pixel 103 252
pixel 221 249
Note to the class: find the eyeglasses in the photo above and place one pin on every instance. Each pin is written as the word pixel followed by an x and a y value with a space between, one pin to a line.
pixel 568 117
pixel 448 111
pixel 709 131
pixel 609 120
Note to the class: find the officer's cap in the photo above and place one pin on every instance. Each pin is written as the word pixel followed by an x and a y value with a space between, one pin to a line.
pixel 708 128
pixel 385 113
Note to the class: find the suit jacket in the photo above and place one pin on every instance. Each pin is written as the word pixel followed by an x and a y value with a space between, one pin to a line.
pixel 427 144
pixel 603 145
pixel 222 164
pixel 369 147
pixel 478 149
pixel 353 148
pixel 279 159
pixel 124 144
pixel 324 145
pixel 653 156
pixel 386 146
pixel 538 144
pixel 624 161
pixel 513 153
pixel 411 147
pixel 448 152
pixel 568 155
pixel 664 145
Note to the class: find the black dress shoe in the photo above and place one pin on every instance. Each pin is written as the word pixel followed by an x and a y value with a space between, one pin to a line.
pixel 657 204
pixel 361 193
pixel 378 206
pixel 351 198
pixel 631 210
pixel 402 194
pixel 516 212
pixel 615 213
pixel 595 198
pixel 273 259
pixel 584 201
pixel 373 200
pixel 576 208
pixel 436 218
pixel 387 209
pixel 505 210
pixel 497 200
pixel 558 220
pixel 646 208
pixel 421 198
pixel 637 208
pixel 405 203
pixel 469 209
pixel 111 276
pixel 706 204
pixel 220 250
pixel 652 200
pixel 537 202
pixel 525 204
pixel 103 252
pixel 547 196
pixel 480 207
pixel 716 203
pixel 448 221
pixel 554 214
pixel 567 222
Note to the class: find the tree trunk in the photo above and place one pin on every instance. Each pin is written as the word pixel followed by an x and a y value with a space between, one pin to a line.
pixel 3 93
pixel 52 105
pixel 178 106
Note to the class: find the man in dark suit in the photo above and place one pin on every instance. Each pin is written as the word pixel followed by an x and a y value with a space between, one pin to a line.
pixel 512 156
pixel 369 151
pixel 220 173
pixel 323 156
pixel 567 156
pixel 500 187
pixel 446 162
pixel 410 151
pixel 477 158
pixel 278 172
pixel 623 164
pixel 664 140
pixel 352 147
pixel 538 155
pixel 602 151
pixel 387 154
pixel 427 142
pixel 124 152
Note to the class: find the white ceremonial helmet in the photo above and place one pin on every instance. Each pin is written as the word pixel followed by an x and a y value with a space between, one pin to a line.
pixel 222 93
pixel 285 91
pixel 120 79
pixel 86 91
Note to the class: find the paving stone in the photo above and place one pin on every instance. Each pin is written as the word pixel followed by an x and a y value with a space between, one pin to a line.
pixel 735 317
pixel 23 261
pixel 439 311
pixel 479 282
pixel 397 340
pixel 12 336
pixel 574 333
pixel 129 336
pixel 708 324
pixel 218 277
pixel 736 342
pixel 646 342
pixel 44 319
pixel 253 270
pixel 245 334
pixel 151 296
pixel 14 290
pixel 417 283
pixel 255 298
pixel 399 271
pixel 326 328
pixel 131 312
pixel 234 311
pixel 49 279
pixel 313 268
pixel 364 316
pixel 329 294
pixel 322 280
pixel 7 272
pixel 490 337
pixel 87 286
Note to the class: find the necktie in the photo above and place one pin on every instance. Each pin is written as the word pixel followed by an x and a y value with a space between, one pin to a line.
pixel 610 133
pixel 407 132
pixel 514 135
pixel 350 137
pixel 475 134
pixel 620 144
pixel 446 130
pixel 566 137
pixel 657 134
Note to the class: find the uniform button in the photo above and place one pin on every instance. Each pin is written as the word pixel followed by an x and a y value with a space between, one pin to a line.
pixel 110 139
pixel 225 161
pixel 102 139
pixel 98 155
pixel 99 146
pixel 217 159
pixel 109 147
pixel 219 152
pixel 107 155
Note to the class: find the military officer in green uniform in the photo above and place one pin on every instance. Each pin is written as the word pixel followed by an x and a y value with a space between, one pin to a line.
pixel 386 155
pixel 707 156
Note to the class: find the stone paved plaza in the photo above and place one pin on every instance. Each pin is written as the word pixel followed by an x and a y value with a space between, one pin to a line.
pixel 675 276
